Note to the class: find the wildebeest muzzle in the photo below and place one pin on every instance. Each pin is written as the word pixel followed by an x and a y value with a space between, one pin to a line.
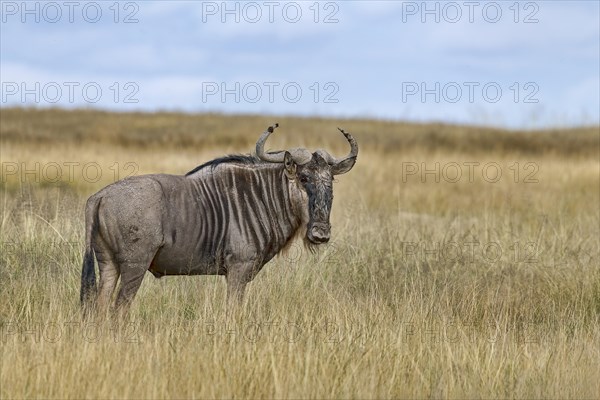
pixel 319 233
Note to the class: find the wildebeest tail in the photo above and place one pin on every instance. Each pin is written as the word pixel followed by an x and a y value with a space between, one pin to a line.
pixel 87 295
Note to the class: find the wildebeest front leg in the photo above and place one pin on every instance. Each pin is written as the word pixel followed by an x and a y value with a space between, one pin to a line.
pixel 239 274
pixel 236 286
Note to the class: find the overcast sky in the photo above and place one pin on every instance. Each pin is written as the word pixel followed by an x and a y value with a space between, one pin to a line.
pixel 525 64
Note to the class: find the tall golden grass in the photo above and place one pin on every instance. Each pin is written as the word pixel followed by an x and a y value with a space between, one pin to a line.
pixel 433 285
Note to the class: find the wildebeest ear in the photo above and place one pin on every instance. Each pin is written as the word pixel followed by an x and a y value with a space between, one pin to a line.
pixel 343 166
pixel 290 165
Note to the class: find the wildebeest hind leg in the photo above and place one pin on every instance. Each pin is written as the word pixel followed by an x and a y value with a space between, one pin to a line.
pixel 132 274
pixel 109 275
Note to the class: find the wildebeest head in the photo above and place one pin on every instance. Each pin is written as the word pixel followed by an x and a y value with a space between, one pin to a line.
pixel 313 174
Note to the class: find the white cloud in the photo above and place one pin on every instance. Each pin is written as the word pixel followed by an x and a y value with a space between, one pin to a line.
pixel 369 53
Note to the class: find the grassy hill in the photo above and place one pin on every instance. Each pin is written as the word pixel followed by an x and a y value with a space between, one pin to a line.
pixel 182 131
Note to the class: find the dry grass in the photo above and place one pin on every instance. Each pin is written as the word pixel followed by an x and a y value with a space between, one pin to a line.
pixel 429 289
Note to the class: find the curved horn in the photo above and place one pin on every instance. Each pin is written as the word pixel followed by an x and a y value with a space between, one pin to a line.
pixel 353 145
pixel 353 150
pixel 260 147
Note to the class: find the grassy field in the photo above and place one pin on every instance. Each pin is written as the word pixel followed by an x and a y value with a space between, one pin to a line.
pixel 464 263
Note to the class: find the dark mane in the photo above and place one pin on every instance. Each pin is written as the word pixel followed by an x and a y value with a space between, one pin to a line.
pixel 244 159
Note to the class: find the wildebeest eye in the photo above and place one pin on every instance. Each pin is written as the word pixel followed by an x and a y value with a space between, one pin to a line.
pixel 303 179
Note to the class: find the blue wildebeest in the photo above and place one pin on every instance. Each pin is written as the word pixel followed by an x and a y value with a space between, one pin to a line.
pixel 229 216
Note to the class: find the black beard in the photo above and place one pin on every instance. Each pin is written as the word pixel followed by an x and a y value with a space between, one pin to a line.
pixel 310 246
